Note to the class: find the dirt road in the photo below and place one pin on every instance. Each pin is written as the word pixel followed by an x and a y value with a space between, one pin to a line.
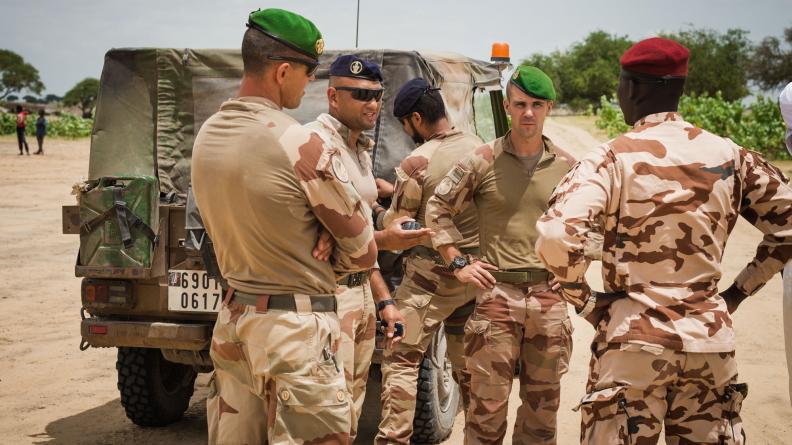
pixel 51 393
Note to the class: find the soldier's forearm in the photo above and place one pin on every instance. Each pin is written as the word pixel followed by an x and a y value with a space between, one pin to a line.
pixel 379 289
pixel 448 252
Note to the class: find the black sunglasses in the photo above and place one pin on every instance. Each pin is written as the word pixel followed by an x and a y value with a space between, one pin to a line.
pixel 310 64
pixel 363 94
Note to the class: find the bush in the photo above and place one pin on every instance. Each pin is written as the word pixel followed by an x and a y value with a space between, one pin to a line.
pixel 760 127
pixel 65 125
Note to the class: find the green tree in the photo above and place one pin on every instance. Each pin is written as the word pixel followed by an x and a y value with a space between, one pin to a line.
pixel 17 75
pixel 49 98
pixel 771 66
pixel 718 61
pixel 587 70
pixel 83 95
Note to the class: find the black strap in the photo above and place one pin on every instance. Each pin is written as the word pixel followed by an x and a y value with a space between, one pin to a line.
pixel 125 219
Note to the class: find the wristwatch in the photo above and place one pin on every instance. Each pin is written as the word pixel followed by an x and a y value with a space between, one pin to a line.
pixel 381 305
pixel 458 263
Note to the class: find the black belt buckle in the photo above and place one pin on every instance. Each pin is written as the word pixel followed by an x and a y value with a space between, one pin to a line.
pixel 355 279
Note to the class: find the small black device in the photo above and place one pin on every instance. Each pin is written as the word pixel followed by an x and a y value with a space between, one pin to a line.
pixel 411 225
pixel 398 328
pixel 457 263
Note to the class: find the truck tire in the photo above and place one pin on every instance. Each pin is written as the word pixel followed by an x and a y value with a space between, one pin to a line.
pixel 438 396
pixel 154 391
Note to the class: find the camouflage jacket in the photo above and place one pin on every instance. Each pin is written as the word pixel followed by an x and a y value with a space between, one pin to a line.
pixel 357 160
pixel 667 195
pixel 421 171
pixel 507 196
pixel 264 185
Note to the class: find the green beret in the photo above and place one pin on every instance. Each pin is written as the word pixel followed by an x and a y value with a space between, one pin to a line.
pixel 293 30
pixel 533 82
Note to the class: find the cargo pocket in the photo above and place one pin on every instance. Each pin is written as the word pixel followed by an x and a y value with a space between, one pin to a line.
pixel 310 408
pixel 732 400
pixel 605 418
pixel 413 308
pixel 566 347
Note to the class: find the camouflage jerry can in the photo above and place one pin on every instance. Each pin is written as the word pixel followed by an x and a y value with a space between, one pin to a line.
pixel 119 222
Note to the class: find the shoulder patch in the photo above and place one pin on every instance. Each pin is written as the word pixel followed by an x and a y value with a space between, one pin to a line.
pixel 445 186
pixel 338 169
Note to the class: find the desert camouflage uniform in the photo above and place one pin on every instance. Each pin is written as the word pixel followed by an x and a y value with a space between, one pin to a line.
pixel 667 194
pixel 522 321
pixel 264 185
pixel 356 309
pixel 429 295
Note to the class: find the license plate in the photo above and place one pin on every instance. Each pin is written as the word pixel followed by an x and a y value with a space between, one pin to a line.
pixel 193 291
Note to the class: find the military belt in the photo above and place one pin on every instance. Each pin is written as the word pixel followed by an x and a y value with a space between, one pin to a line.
pixel 431 254
pixel 282 302
pixel 521 276
pixel 353 279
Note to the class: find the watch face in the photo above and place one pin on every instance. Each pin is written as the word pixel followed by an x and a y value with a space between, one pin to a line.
pixel 458 263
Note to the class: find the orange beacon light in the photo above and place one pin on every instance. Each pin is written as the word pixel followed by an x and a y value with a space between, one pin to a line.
pixel 500 52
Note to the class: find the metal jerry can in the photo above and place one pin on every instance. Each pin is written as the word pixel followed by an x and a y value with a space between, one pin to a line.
pixel 119 221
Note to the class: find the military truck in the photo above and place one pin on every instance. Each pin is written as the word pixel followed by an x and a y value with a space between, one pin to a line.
pixel 143 253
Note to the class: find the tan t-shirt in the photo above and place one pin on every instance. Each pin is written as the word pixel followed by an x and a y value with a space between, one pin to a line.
pixel 263 185
pixel 509 195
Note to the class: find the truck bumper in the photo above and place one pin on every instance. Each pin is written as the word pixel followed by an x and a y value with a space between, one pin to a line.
pixel 146 334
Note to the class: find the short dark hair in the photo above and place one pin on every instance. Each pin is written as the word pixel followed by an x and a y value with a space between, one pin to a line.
pixel 18 108
pixel 430 106
pixel 257 47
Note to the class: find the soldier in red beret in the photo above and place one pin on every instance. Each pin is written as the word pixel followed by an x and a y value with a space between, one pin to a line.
pixel 666 194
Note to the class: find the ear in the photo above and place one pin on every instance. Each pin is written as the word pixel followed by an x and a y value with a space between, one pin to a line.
pixel 416 118
pixel 281 72
pixel 632 89
pixel 332 96
pixel 550 104
pixel 506 104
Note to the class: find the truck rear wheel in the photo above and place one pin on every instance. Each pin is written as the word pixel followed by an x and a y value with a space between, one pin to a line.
pixel 154 391
pixel 438 396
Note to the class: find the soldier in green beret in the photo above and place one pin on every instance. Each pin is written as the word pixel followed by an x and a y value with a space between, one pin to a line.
pixel 266 187
pixel 518 317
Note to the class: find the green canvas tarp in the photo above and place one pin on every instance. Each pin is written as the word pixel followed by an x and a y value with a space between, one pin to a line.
pixel 152 102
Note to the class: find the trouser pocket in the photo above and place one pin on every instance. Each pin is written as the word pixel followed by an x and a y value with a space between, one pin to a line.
pixel 605 418
pixel 311 409
pixel 733 396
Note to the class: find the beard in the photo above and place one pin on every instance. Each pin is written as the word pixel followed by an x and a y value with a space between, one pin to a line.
pixel 416 137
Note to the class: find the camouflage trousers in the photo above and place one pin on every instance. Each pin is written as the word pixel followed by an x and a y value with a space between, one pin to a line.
pixel 428 297
pixel 276 379
pixel 357 314
pixel 634 389
pixel 511 323
pixel 787 306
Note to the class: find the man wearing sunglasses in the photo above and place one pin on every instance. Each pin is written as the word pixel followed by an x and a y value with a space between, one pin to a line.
pixel 354 97
pixel 264 185
pixel 429 295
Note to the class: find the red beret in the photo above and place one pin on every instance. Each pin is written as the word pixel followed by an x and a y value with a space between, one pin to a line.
pixel 657 57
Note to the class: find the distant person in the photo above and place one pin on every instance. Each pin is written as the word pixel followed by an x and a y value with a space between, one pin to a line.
pixel 41 131
pixel 785 101
pixel 20 127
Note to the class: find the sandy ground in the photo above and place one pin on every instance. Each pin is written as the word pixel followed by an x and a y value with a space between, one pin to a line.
pixel 51 393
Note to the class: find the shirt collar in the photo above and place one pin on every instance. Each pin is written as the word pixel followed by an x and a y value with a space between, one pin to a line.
pixel 444 134
pixel 363 142
pixel 259 100
pixel 658 118
pixel 548 149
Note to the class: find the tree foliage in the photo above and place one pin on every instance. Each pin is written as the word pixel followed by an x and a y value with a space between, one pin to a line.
pixel 771 65
pixel 587 70
pixel 17 75
pixel 83 95
pixel 718 61
pixel 757 127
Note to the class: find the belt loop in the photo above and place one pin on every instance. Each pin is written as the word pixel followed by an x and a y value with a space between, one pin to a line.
pixel 228 295
pixel 262 303
pixel 302 303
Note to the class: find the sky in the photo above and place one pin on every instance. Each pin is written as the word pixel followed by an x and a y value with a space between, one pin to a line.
pixel 66 40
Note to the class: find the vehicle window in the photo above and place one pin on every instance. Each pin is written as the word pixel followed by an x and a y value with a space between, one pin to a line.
pixel 483 115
